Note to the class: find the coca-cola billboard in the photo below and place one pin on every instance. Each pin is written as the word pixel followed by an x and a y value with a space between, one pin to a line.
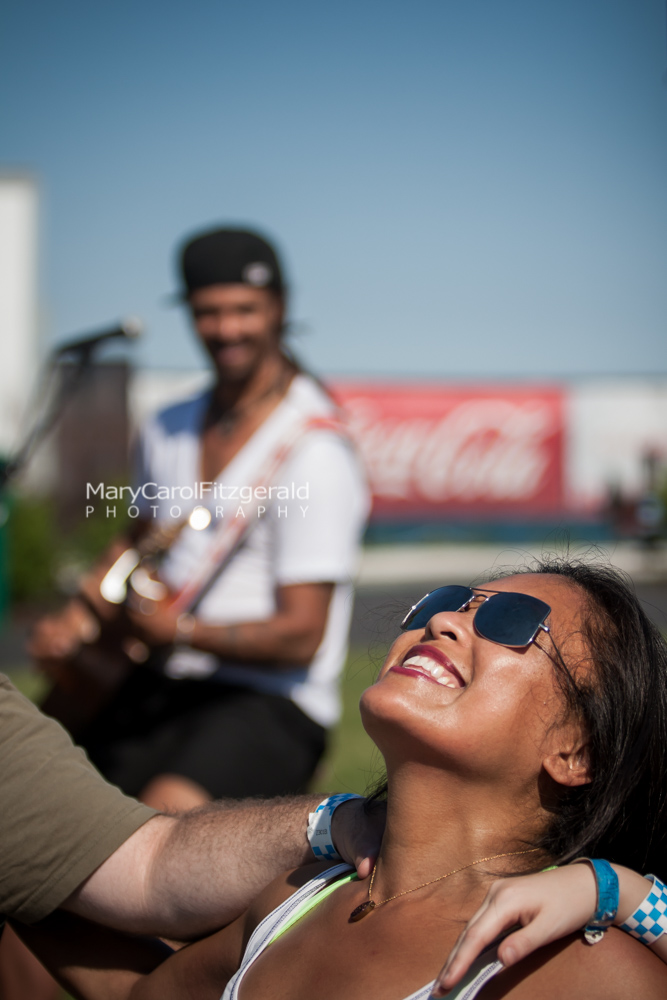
pixel 441 450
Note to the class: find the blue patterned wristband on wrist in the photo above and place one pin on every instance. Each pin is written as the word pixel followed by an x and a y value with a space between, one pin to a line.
pixel 606 881
pixel 319 827
pixel 649 921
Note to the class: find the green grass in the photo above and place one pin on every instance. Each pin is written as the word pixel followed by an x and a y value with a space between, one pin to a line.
pixel 29 683
pixel 351 763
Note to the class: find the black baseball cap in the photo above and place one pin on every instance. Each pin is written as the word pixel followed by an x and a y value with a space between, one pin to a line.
pixel 229 257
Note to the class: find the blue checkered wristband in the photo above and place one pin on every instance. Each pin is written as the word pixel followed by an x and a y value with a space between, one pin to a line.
pixel 319 827
pixel 649 921
pixel 606 881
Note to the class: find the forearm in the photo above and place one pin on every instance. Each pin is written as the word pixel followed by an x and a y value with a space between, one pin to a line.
pixel 274 642
pixel 632 889
pixel 548 906
pixel 181 877
pixel 218 858
pixel 287 637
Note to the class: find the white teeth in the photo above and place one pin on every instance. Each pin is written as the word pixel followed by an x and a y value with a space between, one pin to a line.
pixel 436 671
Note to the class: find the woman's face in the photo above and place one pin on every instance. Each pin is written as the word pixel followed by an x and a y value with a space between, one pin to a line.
pixel 448 696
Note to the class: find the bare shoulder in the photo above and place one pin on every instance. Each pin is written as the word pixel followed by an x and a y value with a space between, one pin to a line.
pixel 617 968
pixel 281 889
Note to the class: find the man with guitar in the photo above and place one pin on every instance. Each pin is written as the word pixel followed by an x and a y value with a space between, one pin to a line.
pixel 234 628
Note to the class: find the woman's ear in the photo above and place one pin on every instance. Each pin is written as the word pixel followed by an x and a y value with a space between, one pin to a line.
pixel 570 767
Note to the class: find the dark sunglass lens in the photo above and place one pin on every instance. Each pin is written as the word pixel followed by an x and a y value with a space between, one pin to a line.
pixel 443 599
pixel 511 619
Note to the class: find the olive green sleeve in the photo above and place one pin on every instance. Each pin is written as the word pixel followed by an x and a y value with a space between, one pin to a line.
pixel 59 819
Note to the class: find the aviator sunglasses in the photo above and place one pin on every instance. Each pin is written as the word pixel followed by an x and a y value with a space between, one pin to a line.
pixel 506 618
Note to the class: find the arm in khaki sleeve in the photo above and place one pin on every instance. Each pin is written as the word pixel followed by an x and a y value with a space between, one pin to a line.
pixel 98 963
pixel 68 836
pixel 182 877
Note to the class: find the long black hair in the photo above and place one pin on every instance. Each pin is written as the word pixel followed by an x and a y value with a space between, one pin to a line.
pixel 622 704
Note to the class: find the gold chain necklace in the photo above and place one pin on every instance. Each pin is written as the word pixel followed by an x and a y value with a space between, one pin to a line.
pixel 369 905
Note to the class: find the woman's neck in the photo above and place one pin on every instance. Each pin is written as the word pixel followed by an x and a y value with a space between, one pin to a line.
pixel 437 823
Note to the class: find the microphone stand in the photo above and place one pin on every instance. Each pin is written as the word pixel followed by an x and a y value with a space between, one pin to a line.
pixel 69 378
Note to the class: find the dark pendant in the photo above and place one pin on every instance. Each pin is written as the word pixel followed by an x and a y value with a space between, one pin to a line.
pixel 361 911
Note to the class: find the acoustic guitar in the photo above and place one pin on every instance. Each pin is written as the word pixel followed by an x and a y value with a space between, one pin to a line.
pixel 106 651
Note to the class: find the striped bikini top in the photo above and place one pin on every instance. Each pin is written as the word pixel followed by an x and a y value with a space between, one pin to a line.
pixel 307 898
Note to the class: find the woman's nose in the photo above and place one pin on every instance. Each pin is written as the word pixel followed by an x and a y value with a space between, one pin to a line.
pixel 455 625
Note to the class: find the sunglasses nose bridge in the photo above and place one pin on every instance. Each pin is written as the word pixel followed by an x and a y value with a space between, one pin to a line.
pixel 481 598
pixel 453 622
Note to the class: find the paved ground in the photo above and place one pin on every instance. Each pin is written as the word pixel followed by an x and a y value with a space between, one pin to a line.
pixel 387 565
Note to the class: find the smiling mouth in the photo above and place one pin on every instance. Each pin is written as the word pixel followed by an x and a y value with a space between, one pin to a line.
pixel 432 664
pixel 223 348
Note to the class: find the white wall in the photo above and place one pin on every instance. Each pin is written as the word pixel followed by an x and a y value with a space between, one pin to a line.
pixel 611 424
pixel 18 303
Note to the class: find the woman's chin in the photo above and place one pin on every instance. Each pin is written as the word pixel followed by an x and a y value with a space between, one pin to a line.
pixel 395 720
pixel 379 711
pixel 408 694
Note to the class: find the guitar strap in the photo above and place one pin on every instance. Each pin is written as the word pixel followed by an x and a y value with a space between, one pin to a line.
pixel 231 534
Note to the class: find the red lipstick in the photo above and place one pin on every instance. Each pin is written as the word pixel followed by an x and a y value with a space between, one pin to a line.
pixel 429 652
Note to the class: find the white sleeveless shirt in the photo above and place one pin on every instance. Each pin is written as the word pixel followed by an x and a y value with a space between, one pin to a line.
pixel 484 969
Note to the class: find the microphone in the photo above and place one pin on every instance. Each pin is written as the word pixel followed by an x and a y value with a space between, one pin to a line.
pixel 129 329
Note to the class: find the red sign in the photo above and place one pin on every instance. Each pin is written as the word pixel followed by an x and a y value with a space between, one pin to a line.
pixel 470 451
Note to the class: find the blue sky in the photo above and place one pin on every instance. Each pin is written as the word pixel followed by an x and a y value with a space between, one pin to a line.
pixel 459 187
